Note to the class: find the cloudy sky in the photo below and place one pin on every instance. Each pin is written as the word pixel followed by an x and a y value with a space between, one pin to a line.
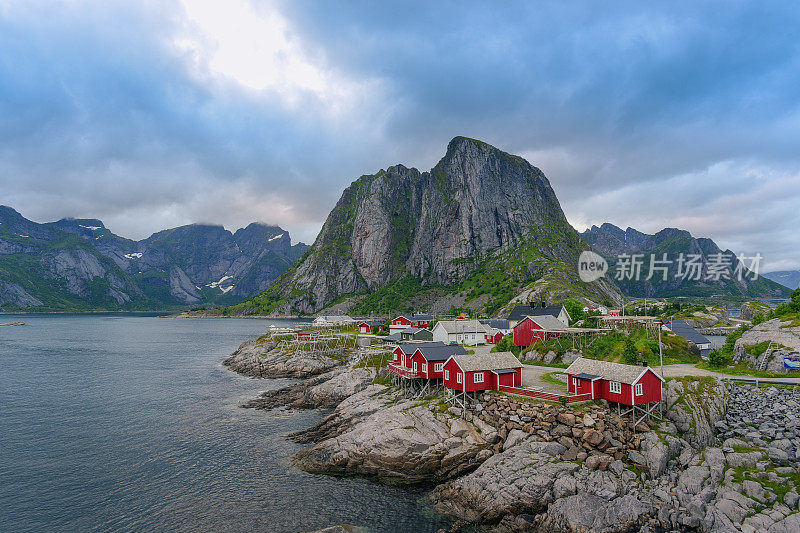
pixel 159 113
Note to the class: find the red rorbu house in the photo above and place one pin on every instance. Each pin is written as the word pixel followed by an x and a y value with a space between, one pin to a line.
pixel 493 336
pixel 371 326
pixel 532 329
pixel 402 354
pixel 629 385
pixel 429 359
pixel 307 335
pixel 410 321
pixel 479 372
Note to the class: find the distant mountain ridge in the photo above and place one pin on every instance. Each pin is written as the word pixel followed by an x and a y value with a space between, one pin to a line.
pixel 479 229
pixel 79 264
pixel 787 278
pixel 611 241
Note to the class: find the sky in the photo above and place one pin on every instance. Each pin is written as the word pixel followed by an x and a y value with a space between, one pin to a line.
pixel 152 114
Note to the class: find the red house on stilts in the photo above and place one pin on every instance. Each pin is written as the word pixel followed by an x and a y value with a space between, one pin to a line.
pixel 480 372
pixel 638 387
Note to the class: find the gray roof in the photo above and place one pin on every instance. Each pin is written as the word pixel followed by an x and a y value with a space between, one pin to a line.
pixel 371 323
pixel 546 322
pixel 497 323
pixel 521 311
pixel 394 337
pixel 411 347
pixel 441 353
pixel 487 361
pixel 679 327
pixel 606 370
pixel 462 326
pixel 412 331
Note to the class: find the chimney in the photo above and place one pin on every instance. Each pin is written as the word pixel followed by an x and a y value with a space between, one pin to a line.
pixel 544 304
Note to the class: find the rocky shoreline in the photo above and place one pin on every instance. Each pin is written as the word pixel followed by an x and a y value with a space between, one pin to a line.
pixel 724 459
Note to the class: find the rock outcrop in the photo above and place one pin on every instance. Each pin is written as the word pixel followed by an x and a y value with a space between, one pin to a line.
pixel 784 338
pixel 265 359
pixel 403 440
pixel 324 390
pixel 695 405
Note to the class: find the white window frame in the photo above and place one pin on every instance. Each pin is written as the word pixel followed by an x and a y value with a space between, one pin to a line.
pixel 477 377
pixel 638 390
pixel 575 382
pixel 415 366
pixel 425 367
pixel 615 387
pixel 437 367
pixel 459 377
pixel 446 374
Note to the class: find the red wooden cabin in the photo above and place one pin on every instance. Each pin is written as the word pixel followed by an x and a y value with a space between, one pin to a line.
pixel 614 382
pixel 493 336
pixel 532 329
pixel 402 354
pixel 418 320
pixel 307 335
pixel 429 360
pixel 478 372
pixel 371 327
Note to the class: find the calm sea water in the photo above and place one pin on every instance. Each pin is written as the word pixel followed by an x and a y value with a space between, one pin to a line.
pixel 131 423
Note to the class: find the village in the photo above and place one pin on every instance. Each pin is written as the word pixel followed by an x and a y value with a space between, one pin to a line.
pixel 460 357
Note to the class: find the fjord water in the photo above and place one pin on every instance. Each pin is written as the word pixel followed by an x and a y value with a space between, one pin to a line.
pixel 131 423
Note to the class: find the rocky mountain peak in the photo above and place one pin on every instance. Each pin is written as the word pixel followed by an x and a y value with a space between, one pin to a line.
pixel 435 226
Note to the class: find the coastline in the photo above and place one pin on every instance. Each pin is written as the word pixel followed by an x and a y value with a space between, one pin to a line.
pixel 516 465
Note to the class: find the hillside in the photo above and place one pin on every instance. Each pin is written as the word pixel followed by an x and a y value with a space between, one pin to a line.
pixel 80 265
pixel 474 232
pixel 787 278
pixel 610 241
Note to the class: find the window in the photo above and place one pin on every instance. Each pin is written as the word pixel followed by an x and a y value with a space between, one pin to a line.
pixel 615 386
pixel 478 377
pixel 446 374
pixel 415 366
pixel 638 389
pixel 459 377
pixel 437 367
pixel 575 382
pixel 425 367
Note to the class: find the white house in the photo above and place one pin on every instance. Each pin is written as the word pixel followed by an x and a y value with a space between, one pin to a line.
pixel 333 320
pixel 470 332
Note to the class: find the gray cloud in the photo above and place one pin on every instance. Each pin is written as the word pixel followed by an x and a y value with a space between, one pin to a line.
pixel 650 116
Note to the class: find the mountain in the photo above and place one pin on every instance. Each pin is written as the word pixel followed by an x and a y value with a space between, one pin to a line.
pixel 79 264
pixel 787 278
pixel 478 230
pixel 610 241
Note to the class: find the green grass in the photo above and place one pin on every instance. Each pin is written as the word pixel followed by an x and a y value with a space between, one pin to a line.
pixel 550 378
pixel 375 360
pixel 740 369
pixel 788 482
